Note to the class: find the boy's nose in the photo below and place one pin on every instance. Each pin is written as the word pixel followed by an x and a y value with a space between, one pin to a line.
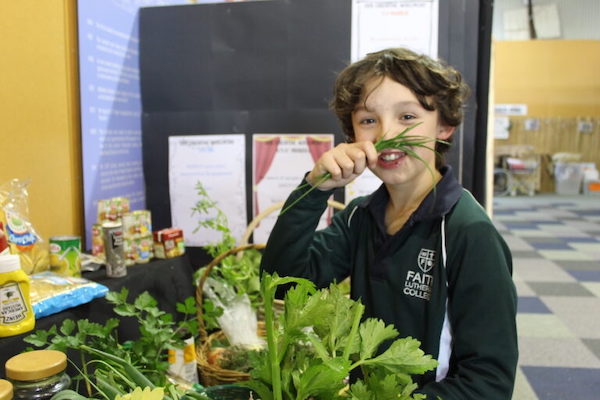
pixel 388 130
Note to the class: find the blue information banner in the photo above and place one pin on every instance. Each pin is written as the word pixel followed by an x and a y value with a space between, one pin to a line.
pixel 110 102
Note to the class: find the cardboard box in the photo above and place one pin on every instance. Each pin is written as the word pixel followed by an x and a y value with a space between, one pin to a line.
pixel 168 243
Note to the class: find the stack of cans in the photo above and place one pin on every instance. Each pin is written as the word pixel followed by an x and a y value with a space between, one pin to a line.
pixel 137 237
pixel 121 237
pixel 110 211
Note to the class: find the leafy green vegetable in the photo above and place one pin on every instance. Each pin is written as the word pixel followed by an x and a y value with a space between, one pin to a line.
pixel 320 338
pixel 158 332
pixel 117 378
pixel 241 272
pixel 212 217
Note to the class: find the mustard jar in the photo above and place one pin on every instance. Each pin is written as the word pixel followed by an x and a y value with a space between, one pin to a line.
pixel 38 374
pixel 16 313
pixel 6 390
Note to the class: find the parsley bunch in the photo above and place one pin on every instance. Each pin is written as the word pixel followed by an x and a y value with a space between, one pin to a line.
pixel 148 353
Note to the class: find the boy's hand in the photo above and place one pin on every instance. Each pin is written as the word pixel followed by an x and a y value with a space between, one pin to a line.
pixel 345 162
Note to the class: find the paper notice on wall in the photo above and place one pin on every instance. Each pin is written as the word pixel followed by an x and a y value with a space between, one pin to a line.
pixel 218 163
pixel 364 185
pixel 501 127
pixel 381 24
pixel 516 24
pixel 279 164
pixel 510 109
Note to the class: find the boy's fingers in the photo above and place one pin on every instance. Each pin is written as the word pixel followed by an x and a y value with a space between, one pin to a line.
pixel 370 153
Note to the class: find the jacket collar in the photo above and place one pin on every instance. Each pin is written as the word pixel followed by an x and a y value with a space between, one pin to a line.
pixel 436 204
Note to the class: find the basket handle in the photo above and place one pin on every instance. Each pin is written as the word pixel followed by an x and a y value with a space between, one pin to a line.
pixel 209 267
pixel 272 208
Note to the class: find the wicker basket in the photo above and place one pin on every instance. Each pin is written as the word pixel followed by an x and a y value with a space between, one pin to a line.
pixel 269 210
pixel 212 374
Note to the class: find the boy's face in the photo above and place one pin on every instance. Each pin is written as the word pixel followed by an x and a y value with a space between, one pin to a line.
pixel 391 108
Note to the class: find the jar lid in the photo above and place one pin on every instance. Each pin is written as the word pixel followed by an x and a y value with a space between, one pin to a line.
pixel 34 365
pixel 6 390
pixel 10 262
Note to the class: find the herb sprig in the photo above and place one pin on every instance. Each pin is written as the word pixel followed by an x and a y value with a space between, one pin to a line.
pixel 240 272
pixel 400 142
pixel 157 332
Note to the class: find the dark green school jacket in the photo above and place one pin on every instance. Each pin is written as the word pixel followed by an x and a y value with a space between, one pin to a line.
pixel 444 278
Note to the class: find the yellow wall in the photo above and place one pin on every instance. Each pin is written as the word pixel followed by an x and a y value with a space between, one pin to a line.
pixel 39 113
pixel 555 78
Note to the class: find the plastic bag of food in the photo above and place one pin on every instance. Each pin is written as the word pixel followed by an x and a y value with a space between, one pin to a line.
pixel 51 293
pixel 21 235
pixel 239 321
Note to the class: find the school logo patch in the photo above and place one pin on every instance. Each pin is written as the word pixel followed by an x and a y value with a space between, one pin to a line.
pixel 426 260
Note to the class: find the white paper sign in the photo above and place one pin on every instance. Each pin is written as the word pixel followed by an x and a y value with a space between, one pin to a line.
pixel 510 109
pixel 364 185
pixel 218 163
pixel 378 24
pixel 501 127
pixel 279 163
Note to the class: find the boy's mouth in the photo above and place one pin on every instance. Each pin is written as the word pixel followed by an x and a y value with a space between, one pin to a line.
pixel 390 158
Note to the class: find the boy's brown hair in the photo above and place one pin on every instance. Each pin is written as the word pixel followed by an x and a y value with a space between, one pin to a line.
pixel 436 85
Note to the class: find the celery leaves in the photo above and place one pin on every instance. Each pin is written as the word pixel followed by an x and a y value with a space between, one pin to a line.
pixel 321 338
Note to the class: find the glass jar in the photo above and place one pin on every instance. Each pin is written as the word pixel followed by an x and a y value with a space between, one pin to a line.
pixel 6 390
pixel 38 374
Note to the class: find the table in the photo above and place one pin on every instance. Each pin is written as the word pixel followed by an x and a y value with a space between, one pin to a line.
pixel 169 281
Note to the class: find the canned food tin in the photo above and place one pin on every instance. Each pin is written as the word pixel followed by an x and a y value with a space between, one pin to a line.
pixel 65 255
pixel 113 249
pixel 97 241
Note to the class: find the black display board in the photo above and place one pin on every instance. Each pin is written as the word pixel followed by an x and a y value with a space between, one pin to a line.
pixel 269 67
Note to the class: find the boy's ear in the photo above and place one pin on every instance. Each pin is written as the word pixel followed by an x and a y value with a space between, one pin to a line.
pixel 444 132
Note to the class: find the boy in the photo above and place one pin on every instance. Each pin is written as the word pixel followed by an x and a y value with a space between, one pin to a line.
pixel 428 261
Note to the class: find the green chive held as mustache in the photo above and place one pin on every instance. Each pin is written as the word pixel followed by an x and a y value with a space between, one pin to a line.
pixel 400 142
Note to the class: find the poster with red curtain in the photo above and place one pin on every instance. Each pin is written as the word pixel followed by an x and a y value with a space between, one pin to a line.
pixel 280 161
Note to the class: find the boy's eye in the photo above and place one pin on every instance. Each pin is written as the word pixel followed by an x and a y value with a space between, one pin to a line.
pixel 407 117
pixel 366 121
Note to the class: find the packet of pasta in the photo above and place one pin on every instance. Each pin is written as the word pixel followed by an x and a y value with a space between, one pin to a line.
pixel 21 236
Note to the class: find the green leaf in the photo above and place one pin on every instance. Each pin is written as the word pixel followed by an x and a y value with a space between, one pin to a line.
pixel 263 391
pixel 321 380
pixel 67 327
pixel 90 328
pixel 308 310
pixel 110 325
pixel 125 310
pixel 404 356
pixel 318 347
pixel 38 338
pixel 360 391
pixel 145 301
pixel 385 387
pixel 336 327
pixel 373 332
pixel 117 297
pixel 187 307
